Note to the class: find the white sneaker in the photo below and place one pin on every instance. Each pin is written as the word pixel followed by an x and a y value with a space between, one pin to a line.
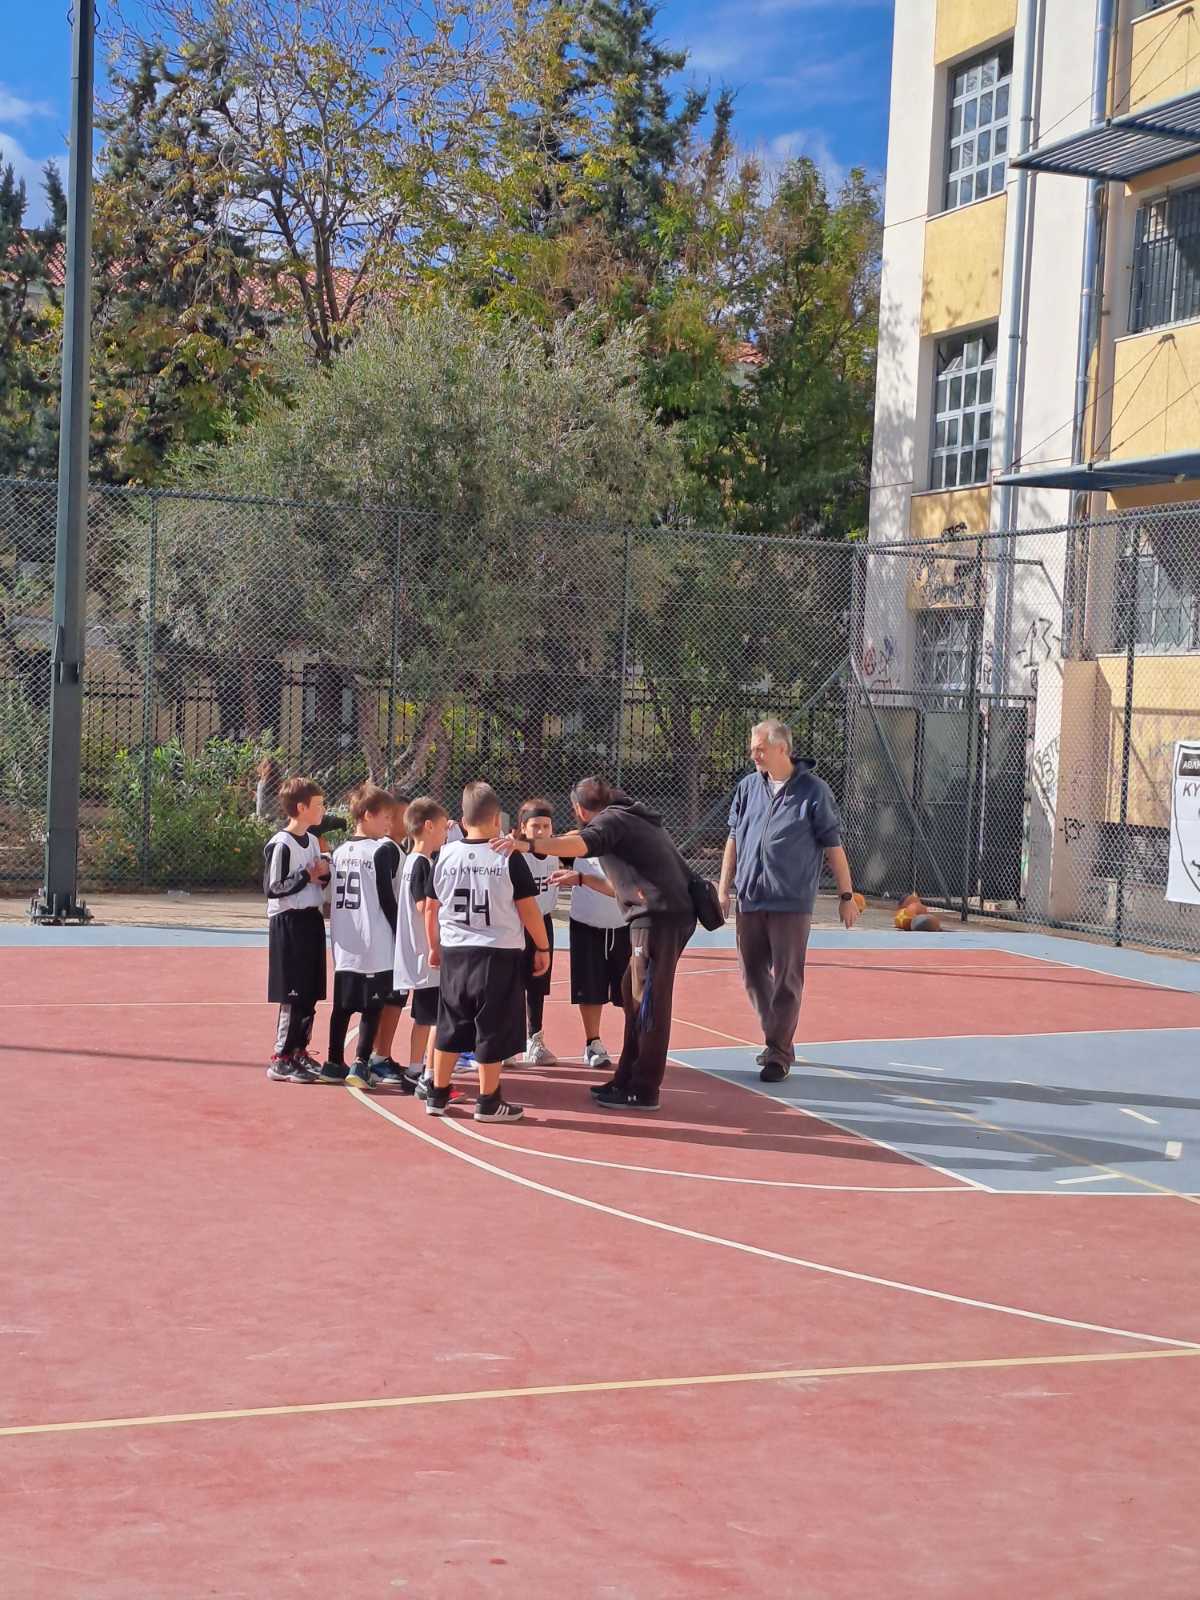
pixel 538 1053
pixel 596 1056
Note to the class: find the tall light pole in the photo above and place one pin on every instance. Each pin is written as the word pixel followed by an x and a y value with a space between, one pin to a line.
pixel 59 900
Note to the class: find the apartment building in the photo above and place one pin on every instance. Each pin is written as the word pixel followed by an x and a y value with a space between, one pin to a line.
pixel 1039 369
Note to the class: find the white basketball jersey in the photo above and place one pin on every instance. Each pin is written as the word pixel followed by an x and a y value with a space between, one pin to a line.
pixel 540 868
pixel 285 857
pixel 412 969
pixel 473 886
pixel 589 906
pixel 359 930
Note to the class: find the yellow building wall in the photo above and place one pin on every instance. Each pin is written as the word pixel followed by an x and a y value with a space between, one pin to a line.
pixel 1153 373
pixel 964 261
pixel 931 514
pixel 1166 707
pixel 964 26
pixel 1166 55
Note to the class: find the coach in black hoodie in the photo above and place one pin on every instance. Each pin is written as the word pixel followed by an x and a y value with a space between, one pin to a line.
pixel 650 878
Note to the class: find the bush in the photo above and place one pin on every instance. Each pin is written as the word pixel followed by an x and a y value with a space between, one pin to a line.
pixel 203 832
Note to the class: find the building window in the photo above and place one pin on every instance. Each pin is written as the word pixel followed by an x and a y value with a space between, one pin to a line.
pixel 1166 262
pixel 944 649
pixel 977 146
pixel 1166 617
pixel 962 410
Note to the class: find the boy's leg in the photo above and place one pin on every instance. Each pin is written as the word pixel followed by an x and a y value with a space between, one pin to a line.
pixel 339 1026
pixel 368 1029
pixel 385 1033
pixel 418 1043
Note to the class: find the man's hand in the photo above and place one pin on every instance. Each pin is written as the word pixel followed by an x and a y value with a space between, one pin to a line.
pixel 725 901
pixel 504 844
pixel 562 876
pixel 849 913
pixel 541 963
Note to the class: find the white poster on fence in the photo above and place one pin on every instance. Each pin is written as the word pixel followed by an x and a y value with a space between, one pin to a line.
pixel 1183 877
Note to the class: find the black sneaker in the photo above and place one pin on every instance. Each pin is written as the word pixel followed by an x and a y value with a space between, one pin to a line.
pixel 495 1108
pixel 387 1073
pixel 331 1072
pixel 643 1102
pixel 414 1077
pixel 285 1069
pixel 612 1096
pixel 775 1071
pixel 361 1076
pixel 599 1091
pixel 437 1101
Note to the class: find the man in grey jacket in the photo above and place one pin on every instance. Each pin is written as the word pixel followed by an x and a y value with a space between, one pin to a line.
pixel 782 825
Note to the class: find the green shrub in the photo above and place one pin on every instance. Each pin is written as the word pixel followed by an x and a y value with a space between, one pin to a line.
pixel 203 832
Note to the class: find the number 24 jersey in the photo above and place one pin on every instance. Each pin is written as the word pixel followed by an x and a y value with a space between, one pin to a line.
pixel 477 892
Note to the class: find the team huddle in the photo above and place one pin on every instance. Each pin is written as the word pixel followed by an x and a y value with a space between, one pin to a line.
pixel 425 913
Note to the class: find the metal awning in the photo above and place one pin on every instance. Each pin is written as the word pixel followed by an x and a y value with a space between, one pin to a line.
pixel 1124 147
pixel 1102 477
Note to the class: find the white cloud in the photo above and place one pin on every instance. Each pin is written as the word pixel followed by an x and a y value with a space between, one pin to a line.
pixel 14 108
pixel 717 54
pixel 810 142
pixel 30 168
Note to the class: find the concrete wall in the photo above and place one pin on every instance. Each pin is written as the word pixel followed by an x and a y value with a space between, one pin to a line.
pixel 1165 55
pixel 964 255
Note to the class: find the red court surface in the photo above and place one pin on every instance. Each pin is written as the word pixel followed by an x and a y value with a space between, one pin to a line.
pixel 731 1350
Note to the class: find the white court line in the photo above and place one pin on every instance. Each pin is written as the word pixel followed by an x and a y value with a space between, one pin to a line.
pixel 914 1066
pixel 757 1250
pixel 1100 1177
pixel 1097 972
pixel 1174 1149
pixel 954 1038
pixel 705 1177
pixel 1130 1112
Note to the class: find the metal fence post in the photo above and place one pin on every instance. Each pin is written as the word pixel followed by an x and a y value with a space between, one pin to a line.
pixel 1132 553
pixel 394 668
pixel 971 826
pixel 626 606
pixel 149 688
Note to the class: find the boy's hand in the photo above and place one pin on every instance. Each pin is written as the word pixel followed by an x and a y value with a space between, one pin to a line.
pixel 435 956
pixel 319 872
pixel 541 963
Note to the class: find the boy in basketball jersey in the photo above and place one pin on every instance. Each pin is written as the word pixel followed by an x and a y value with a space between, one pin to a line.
pixel 535 820
pixel 426 822
pixel 481 908
pixel 362 930
pixel 294 878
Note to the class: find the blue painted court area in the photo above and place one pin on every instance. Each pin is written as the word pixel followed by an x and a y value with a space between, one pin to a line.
pixel 1063 1113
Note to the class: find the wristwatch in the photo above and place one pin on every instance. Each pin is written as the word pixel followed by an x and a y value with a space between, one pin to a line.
pixel 846 894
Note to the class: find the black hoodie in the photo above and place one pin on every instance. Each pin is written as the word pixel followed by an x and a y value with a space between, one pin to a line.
pixel 640 861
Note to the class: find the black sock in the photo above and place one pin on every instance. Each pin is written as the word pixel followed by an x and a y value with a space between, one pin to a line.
pixel 339 1026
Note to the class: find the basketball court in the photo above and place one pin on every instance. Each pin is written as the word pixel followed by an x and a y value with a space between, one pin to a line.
pixel 922 1320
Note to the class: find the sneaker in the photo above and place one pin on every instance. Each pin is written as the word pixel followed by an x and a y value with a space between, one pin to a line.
pixel 388 1073
pixel 775 1071
pixel 360 1076
pixel 414 1077
pixel 597 1090
pixel 466 1062
pixel 437 1101
pixel 331 1072
pixel 643 1102
pixel 495 1108
pixel 761 1058
pixel 284 1069
pixel 596 1056
pixel 308 1061
pixel 611 1095
pixel 538 1053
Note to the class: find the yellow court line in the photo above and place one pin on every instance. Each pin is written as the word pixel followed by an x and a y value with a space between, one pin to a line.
pixel 708 1380
pixel 962 1116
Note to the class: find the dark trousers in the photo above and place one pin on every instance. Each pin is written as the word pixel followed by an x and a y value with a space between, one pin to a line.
pixel 293 1032
pixel 772 946
pixel 647 993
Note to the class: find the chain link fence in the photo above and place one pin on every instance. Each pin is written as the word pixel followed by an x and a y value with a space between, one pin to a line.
pixel 965 697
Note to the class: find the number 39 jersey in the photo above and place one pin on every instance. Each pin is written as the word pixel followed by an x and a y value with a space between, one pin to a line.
pixel 362 905
pixel 477 892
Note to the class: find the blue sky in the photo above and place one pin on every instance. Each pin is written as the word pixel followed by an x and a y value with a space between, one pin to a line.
pixel 811 77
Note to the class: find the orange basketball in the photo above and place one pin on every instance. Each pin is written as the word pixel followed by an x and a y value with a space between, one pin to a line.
pixel 860 900
pixel 926 922
pixel 904 918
